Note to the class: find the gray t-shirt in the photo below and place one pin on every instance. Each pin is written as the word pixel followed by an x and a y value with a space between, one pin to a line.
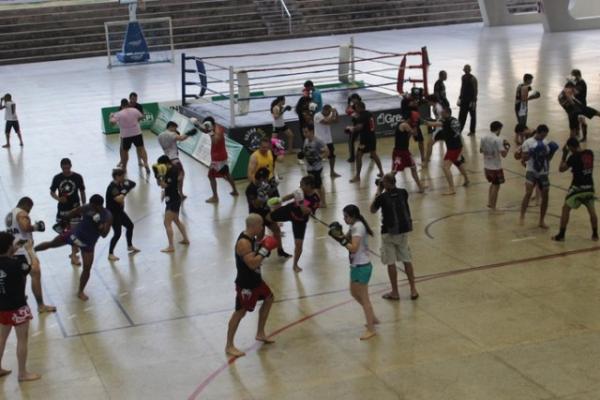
pixel 312 154
pixel 168 142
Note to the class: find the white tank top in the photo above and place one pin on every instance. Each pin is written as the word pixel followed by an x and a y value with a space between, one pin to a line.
pixel 9 115
pixel 12 226
pixel 279 121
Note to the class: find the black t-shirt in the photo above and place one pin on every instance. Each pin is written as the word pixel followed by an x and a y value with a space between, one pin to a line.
pixel 439 89
pixel 13 276
pixel 312 202
pixel 69 187
pixel 582 167
pixel 113 190
pixel 581 94
pixel 262 192
pixel 395 211
pixel 401 138
pixel 139 107
pixel 450 133
pixel 246 278
pixel 367 131
pixel 467 90
pixel 172 191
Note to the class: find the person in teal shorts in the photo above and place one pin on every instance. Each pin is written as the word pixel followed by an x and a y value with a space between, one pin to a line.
pixel 355 241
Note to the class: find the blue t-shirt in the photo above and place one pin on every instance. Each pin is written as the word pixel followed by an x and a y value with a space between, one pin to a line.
pixel 87 230
pixel 318 99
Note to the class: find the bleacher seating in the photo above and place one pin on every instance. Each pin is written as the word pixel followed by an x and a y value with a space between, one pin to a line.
pixel 70 31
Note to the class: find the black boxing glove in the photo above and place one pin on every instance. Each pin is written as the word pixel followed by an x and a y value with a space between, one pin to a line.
pixel 39 226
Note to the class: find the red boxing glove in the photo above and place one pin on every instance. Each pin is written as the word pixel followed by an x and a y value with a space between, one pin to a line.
pixel 269 243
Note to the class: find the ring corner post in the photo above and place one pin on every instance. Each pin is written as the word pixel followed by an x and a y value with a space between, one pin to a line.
pixel 183 94
pixel 352 68
pixel 231 97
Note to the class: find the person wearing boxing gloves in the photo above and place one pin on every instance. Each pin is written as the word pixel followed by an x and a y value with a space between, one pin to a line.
pixel 401 156
pixel 115 203
pixel 353 99
pixel 219 168
pixel 166 177
pixel 323 121
pixel 19 224
pixel 278 109
pixel 14 311
pixel 313 151
pixel 581 191
pixel 315 95
pixel 128 119
pixel 448 129
pixel 523 95
pixel 537 152
pixel 494 149
pixel 302 203
pixel 68 189
pixel 168 142
pixel 355 241
pixel 259 194
pixel 249 285
pixel 364 124
pixel 302 109
pixel 95 222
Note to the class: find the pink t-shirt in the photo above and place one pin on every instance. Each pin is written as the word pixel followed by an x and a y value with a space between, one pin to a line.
pixel 128 121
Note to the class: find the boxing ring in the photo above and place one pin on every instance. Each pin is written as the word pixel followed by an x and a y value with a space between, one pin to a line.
pixel 237 89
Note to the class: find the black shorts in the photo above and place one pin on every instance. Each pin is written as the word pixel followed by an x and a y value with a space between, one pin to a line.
pixel 318 178
pixel 367 144
pixel 573 120
pixel 280 129
pixel 285 214
pixel 419 136
pixel 137 141
pixel 331 149
pixel 12 125
pixel 173 206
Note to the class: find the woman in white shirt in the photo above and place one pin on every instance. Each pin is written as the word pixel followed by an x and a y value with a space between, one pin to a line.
pixel 355 240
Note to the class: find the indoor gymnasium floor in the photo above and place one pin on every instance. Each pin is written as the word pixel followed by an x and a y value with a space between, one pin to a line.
pixel 504 312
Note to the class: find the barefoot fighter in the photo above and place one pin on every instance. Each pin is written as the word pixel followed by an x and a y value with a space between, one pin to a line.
pixel 355 241
pixel 96 221
pixel 250 288
pixel 167 177
pixel 581 191
pixel 537 152
pixel 14 311
pixel 494 148
pixel 218 158
pixel 449 130
pixel 19 224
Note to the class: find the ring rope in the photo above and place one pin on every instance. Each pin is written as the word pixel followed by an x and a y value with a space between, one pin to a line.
pixel 317 65
pixel 380 62
pixel 268 54
pixel 286 62
pixel 293 73
pixel 325 78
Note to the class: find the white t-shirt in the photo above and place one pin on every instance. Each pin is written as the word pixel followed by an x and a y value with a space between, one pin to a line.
pixel 12 226
pixel 322 131
pixel 168 142
pixel 8 111
pixel 278 122
pixel 538 155
pixel 362 254
pixel 491 146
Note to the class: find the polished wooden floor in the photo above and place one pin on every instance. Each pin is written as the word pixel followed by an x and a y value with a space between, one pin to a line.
pixel 504 313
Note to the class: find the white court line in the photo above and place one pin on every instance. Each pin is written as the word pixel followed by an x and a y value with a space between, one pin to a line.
pixel 122 294
pixel 523 239
pixel 72 316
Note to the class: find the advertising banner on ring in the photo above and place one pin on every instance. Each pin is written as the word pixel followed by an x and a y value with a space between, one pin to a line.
pixel 150 113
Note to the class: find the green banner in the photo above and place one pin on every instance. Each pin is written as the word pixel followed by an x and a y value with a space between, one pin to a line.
pixel 198 146
pixel 150 113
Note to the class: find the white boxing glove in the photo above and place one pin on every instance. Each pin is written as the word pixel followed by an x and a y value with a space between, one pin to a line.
pixel 298 196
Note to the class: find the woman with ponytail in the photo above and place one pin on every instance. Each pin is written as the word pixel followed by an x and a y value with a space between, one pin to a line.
pixel 355 240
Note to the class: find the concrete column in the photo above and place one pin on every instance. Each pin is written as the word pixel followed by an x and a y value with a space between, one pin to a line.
pixel 495 13
pixel 570 15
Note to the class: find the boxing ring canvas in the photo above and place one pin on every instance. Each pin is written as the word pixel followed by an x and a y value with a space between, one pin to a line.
pixel 240 98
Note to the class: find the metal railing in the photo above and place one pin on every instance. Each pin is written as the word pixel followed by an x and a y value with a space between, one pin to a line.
pixel 286 12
